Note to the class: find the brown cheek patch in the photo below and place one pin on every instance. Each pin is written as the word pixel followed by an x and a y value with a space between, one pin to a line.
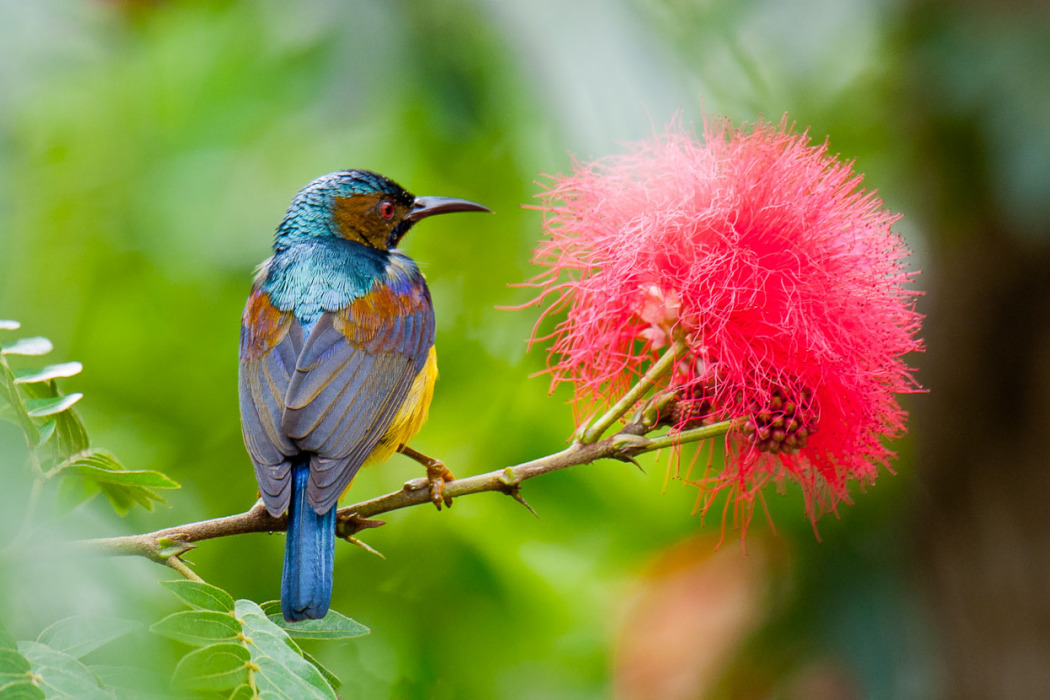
pixel 356 219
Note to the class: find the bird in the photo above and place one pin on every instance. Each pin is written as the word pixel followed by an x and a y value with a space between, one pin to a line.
pixel 337 362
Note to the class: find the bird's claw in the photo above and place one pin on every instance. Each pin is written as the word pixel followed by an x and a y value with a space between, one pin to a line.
pixel 437 475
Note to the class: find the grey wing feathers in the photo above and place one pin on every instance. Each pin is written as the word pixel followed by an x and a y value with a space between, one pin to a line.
pixel 263 385
pixel 340 402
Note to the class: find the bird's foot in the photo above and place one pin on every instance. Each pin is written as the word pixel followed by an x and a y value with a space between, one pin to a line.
pixel 437 475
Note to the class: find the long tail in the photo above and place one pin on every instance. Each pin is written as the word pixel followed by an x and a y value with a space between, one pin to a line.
pixel 309 554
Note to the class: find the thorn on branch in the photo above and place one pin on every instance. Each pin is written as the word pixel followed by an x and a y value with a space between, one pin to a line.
pixel 353 540
pixel 516 495
pixel 628 458
pixel 510 485
pixel 349 525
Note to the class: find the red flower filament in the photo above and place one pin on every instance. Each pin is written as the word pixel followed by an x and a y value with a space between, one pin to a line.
pixel 783 276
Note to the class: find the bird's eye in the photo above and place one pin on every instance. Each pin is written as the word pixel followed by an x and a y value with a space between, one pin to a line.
pixel 386 209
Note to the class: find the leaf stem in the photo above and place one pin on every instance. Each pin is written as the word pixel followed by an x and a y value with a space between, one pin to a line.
pixel 179 565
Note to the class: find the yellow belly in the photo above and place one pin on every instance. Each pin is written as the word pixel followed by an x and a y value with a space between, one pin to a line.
pixel 413 413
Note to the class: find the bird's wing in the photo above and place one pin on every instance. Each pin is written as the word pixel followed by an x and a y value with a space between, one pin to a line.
pixel 351 379
pixel 271 341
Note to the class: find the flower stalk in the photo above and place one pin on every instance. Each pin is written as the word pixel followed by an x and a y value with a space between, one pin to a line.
pixel 594 431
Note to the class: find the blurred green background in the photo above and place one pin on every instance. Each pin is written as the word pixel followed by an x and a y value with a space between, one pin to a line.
pixel 148 150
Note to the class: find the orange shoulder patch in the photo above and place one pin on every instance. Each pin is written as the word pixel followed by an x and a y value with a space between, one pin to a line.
pixel 386 318
pixel 262 325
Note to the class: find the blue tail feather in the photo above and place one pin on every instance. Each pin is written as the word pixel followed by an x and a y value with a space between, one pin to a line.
pixel 309 554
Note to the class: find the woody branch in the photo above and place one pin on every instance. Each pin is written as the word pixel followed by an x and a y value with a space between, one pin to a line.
pixel 166 546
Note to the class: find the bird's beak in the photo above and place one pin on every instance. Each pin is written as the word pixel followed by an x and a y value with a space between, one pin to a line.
pixel 428 206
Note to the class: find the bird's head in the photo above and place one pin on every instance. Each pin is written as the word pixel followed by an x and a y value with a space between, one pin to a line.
pixel 360 206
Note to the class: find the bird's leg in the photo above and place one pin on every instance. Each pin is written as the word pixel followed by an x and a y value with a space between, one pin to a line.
pixel 437 475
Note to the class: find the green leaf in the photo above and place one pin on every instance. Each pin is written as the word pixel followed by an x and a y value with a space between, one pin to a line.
pixel 72 436
pixel 12 666
pixel 72 492
pixel 140 478
pixel 15 671
pixel 46 431
pixel 198 627
pixel 38 408
pixel 200 595
pixel 80 635
pixel 275 679
pixel 333 680
pixel 282 670
pixel 46 374
pixel 123 488
pixel 334 625
pixel 282 667
pixel 271 608
pixel 7 324
pixel 27 346
pixel 21 690
pixel 215 667
pixel 242 692
pixel 103 467
pixel 62 675
pixel 133 682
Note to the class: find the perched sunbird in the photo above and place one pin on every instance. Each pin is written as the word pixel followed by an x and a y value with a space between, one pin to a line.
pixel 337 362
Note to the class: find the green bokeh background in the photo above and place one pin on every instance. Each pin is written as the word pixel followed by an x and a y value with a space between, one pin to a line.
pixel 148 149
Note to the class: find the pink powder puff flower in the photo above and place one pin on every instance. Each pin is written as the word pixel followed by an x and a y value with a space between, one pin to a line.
pixel 782 275
pixel 660 311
